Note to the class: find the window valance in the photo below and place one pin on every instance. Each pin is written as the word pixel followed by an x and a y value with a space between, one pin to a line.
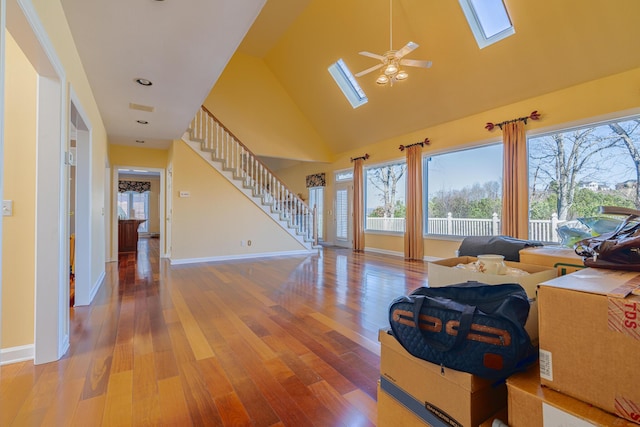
pixel 316 180
pixel 137 186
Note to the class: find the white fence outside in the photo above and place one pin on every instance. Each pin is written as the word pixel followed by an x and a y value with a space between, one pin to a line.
pixel 543 230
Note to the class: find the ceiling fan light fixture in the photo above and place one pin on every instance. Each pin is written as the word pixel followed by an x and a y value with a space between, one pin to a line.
pixel 382 79
pixel 391 69
pixel 401 75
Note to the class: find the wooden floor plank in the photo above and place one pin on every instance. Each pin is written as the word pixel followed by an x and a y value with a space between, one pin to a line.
pixel 118 404
pixel 173 406
pixel 281 341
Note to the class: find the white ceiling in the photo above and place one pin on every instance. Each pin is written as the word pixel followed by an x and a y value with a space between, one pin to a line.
pixel 182 46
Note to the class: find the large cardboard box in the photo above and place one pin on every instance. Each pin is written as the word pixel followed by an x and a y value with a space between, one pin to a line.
pixel 444 272
pixel 590 338
pixel 563 259
pixel 435 393
pixel 393 413
pixel 532 405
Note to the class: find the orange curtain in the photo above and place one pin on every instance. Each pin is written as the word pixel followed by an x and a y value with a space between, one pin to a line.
pixel 515 193
pixel 358 205
pixel 413 240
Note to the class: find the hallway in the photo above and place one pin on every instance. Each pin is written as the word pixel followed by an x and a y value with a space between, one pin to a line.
pixel 270 341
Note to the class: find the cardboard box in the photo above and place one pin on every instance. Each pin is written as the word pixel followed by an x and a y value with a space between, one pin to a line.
pixel 590 338
pixel 563 259
pixel 433 392
pixel 392 413
pixel 444 272
pixel 532 405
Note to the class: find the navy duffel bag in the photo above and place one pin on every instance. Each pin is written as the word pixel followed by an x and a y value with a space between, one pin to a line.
pixel 470 327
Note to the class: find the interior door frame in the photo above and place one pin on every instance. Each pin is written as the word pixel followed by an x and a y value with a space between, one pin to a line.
pixel 114 207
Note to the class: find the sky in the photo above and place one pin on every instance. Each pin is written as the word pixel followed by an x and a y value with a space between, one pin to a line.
pixel 450 171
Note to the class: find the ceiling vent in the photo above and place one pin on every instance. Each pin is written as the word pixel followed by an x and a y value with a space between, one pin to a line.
pixel 140 107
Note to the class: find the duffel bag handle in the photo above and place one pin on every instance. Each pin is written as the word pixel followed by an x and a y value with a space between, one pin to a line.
pixel 466 318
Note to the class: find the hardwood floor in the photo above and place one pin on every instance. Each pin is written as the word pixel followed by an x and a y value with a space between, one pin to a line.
pixel 288 341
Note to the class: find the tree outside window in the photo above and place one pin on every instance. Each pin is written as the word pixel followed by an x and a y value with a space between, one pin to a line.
pixel 385 197
pixel 573 172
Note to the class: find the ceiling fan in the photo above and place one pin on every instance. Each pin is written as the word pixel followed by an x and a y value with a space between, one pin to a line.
pixel 392 60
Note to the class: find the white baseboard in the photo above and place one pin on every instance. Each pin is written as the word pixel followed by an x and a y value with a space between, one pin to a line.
pixel 400 254
pixel 238 257
pixel 96 286
pixel 384 252
pixel 17 354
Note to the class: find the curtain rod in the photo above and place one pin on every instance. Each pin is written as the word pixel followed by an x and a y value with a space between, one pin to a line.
pixel 421 143
pixel 533 116
pixel 365 157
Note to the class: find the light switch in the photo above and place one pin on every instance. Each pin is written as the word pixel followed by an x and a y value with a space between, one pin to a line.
pixel 7 207
pixel 185 194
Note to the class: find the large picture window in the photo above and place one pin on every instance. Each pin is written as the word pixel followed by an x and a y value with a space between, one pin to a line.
pixel 385 197
pixel 464 192
pixel 134 205
pixel 574 171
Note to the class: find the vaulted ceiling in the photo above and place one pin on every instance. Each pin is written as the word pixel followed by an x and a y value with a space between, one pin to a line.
pixel 556 44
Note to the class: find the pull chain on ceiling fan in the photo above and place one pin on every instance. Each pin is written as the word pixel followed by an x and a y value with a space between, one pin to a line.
pixel 392 60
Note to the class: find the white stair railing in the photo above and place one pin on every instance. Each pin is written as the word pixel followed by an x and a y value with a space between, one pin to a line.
pixel 244 165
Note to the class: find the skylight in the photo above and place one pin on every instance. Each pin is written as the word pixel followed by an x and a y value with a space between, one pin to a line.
pixel 348 84
pixel 488 19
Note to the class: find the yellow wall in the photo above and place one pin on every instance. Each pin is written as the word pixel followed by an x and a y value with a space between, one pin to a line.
pixel 18 233
pixel 124 155
pixel 598 99
pixel 216 217
pixel 250 102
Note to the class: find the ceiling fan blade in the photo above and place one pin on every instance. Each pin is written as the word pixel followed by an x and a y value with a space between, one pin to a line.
pixel 416 63
pixel 368 70
pixel 409 47
pixel 372 55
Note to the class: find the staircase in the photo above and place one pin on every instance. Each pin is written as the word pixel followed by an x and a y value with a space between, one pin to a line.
pixel 222 150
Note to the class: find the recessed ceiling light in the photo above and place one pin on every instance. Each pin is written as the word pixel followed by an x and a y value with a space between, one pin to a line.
pixel 139 141
pixel 142 122
pixel 143 82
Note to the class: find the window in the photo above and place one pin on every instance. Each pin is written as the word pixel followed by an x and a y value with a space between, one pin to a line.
pixel 385 197
pixel 464 192
pixel 348 84
pixel 344 176
pixel 574 171
pixel 488 19
pixel 342 214
pixel 316 198
pixel 134 205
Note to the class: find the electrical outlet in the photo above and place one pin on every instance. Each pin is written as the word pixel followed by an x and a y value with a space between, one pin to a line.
pixel 248 242
pixel 241 242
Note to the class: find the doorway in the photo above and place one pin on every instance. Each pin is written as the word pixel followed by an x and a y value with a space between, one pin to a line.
pixel 79 208
pixel 139 193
